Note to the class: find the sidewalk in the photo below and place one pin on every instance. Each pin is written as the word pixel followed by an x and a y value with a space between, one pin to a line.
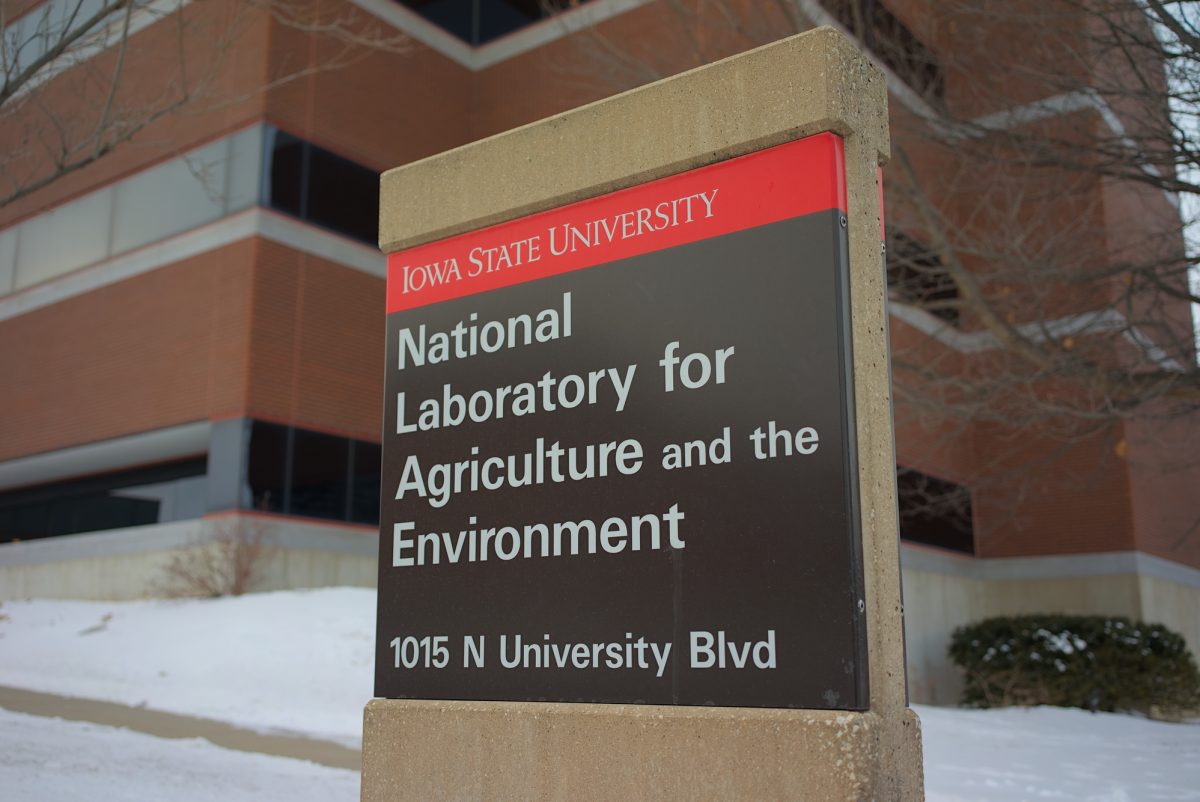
pixel 170 725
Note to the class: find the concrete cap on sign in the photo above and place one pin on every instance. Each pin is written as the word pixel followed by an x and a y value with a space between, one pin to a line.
pixel 799 86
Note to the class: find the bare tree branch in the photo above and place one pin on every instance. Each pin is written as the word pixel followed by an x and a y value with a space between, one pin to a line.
pixel 1042 154
pixel 81 59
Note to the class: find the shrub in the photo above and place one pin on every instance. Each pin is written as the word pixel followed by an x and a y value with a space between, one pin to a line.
pixel 1093 662
pixel 227 559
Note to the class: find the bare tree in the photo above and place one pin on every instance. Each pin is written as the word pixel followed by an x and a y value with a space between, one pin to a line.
pixel 1046 165
pixel 75 85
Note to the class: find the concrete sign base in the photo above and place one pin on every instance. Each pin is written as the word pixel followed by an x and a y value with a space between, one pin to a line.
pixel 619 753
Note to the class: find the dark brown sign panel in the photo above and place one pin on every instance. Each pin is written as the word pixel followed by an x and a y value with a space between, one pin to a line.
pixel 618 460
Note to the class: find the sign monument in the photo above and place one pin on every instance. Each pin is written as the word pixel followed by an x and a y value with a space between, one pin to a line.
pixel 637 468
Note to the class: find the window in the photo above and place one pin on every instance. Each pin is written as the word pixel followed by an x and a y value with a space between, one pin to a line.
pixel 320 187
pixel 916 276
pixel 285 185
pixel 266 472
pixel 365 479
pixel 320 474
pixel 478 22
pixel 94 503
pixel 312 474
pixel 892 43
pixel 342 195
pixel 934 511
pixel 203 185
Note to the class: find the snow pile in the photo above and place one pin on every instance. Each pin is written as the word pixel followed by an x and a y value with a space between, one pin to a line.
pixel 296 661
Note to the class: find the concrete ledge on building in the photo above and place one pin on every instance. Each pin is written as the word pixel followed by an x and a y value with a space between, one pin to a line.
pixel 435 750
pixel 143 448
pixel 129 563
pixel 94 545
pixel 1058 566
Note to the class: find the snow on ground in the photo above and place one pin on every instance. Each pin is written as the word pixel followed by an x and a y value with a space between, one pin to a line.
pixel 297 661
pixel 300 662
pixel 51 760
pixel 1051 753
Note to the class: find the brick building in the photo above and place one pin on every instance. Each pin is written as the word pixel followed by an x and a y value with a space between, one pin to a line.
pixel 192 322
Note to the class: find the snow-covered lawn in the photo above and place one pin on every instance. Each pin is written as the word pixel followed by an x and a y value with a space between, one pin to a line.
pixel 50 760
pixel 1051 753
pixel 301 662
pixel 292 662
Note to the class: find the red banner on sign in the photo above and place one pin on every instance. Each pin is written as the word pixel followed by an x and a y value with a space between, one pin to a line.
pixel 779 183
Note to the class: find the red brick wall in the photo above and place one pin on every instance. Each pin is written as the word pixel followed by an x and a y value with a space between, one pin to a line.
pixel 252 329
pixel 1164 466
pixel 378 107
pixel 652 41
pixel 1046 493
pixel 316 344
pixel 163 348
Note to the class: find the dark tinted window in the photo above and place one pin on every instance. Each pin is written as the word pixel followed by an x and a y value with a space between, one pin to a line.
pixel 90 504
pixel 365 502
pixel 915 275
pixel 97 513
pixel 892 42
pixel 301 472
pixel 286 182
pixel 320 187
pixel 25 522
pixel 343 196
pixel 478 22
pixel 266 472
pixel 319 475
pixel 934 511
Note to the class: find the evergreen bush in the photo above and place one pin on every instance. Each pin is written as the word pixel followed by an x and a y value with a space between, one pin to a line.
pixel 1093 662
